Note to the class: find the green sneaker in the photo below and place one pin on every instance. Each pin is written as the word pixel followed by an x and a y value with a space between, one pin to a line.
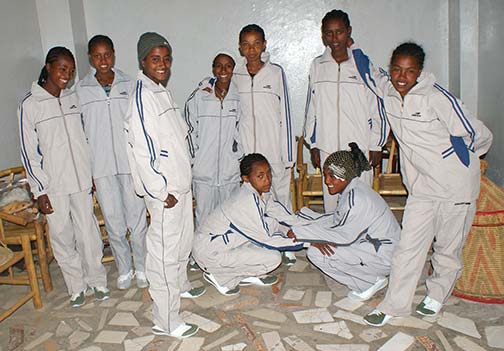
pixel 101 293
pixel 377 318
pixel 428 307
pixel 193 293
pixel 267 280
pixel 77 300
pixel 288 258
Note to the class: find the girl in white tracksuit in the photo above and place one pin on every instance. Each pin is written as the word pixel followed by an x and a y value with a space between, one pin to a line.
pixel 56 157
pixel 340 109
pixel 265 124
pixel 161 169
pixel 242 237
pixel 212 113
pixel 362 228
pixel 103 94
pixel 440 143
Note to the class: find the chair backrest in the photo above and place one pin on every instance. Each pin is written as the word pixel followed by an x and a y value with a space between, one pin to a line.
pixel 12 172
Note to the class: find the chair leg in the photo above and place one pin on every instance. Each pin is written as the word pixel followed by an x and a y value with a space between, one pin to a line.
pixel 42 258
pixel 30 269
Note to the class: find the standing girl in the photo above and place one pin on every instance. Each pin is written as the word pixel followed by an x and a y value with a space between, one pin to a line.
pixel 212 112
pixel 103 94
pixel 161 168
pixel 241 239
pixel 56 157
pixel 440 143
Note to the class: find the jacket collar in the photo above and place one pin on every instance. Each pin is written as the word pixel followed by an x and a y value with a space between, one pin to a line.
pixel 90 79
pixel 241 66
pixel 423 86
pixel 327 56
pixel 40 93
pixel 149 83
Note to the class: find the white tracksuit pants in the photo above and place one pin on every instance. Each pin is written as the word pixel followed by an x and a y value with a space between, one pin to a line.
pixel 169 241
pixel 76 241
pixel 122 210
pixel 354 266
pixel 424 221
pixel 280 185
pixel 209 197
pixel 331 201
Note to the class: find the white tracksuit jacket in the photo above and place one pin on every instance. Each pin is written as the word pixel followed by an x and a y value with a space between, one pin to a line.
pixel 162 161
pixel 214 141
pixel 265 124
pixel 54 150
pixel 242 236
pixel 104 123
pixel 340 108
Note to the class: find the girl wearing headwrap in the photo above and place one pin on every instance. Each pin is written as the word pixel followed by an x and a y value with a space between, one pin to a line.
pixel 354 244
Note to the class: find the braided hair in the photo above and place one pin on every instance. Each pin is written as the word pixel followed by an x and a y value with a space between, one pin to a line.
pixel 100 39
pixel 248 162
pixel 336 15
pixel 409 49
pixel 52 56
pixel 347 164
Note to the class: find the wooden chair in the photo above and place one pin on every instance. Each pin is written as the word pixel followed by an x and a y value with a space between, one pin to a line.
pixel 308 185
pixel 31 279
pixel 14 228
pixel 389 183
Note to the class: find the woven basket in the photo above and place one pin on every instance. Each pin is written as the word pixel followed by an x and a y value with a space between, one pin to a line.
pixel 482 276
pixel 5 253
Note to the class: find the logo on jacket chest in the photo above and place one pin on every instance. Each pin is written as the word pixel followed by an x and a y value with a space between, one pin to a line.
pixel 123 93
pixel 353 77
pixel 72 107
pixel 416 115
pixel 267 86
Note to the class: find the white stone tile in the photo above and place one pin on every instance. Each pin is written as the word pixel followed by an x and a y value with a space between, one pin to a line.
pixel 293 295
pixel 137 344
pixel 83 325
pixel 466 344
pixel 221 340
pixel 63 329
pixel 130 306
pixel 398 342
pixel 91 348
pixel 212 298
pixel 343 347
pixel 443 340
pixel 372 334
pixel 111 337
pixel 265 325
pixel 495 336
pixel 38 341
pixel 348 304
pixel 323 299
pixel 267 315
pixel 272 341
pixel 304 279
pixel 337 328
pixel 299 266
pixel 308 297
pixel 459 324
pixel 409 322
pixel 77 338
pixel 130 293
pixel 316 315
pixel 109 302
pixel 297 344
pixel 103 319
pixel 126 319
pixel 234 347
pixel 349 316
pixel 202 322
pixel 191 344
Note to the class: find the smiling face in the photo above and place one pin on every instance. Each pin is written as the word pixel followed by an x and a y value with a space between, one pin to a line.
pixel 223 68
pixel 59 73
pixel 334 184
pixel 252 45
pixel 102 58
pixel 259 177
pixel 156 65
pixel 404 72
pixel 335 34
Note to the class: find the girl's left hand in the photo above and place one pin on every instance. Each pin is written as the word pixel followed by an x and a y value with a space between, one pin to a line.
pixel 291 235
pixel 327 249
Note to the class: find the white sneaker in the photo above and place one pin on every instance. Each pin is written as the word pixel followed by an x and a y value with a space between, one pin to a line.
pixel 124 281
pixel 141 280
pixel 367 294
pixel 428 307
pixel 264 281
pixel 222 289
pixel 184 330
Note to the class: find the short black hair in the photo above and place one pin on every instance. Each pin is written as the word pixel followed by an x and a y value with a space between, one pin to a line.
pixel 248 162
pixel 336 15
pixel 100 39
pixel 222 54
pixel 252 28
pixel 409 49
pixel 52 56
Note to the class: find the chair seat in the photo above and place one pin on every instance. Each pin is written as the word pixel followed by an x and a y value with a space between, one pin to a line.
pixel 391 184
pixel 313 185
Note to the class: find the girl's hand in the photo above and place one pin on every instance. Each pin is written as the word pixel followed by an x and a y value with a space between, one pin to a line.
pixel 44 204
pixel 315 157
pixel 170 201
pixel 327 249
pixel 291 235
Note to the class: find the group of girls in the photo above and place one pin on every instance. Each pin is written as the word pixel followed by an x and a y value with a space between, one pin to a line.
pixel 237 128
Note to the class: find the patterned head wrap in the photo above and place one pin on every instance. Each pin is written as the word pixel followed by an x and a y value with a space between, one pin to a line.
pixel 347 165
